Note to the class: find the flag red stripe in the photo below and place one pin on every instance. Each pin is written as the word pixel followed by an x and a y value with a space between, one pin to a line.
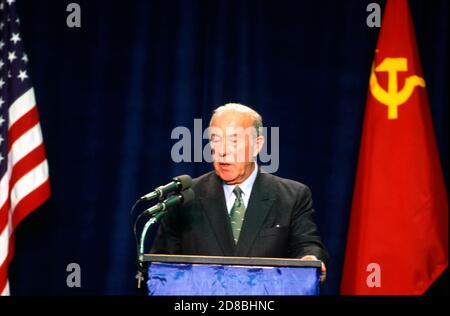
pixel 4 266
pixel 26 164
pixel 31 202
pixel 22 125
pixel 4 215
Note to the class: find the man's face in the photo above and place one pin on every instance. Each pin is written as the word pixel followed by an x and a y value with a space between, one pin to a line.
pixel 233 145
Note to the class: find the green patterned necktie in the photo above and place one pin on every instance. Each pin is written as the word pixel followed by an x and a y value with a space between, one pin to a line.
pixel 237 213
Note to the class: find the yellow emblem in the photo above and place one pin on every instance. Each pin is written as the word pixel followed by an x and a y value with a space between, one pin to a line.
pixel 393 98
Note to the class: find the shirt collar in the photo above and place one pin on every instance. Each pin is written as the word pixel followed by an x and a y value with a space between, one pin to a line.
pixel 245 186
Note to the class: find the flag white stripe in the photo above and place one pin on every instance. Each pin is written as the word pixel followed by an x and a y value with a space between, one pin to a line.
pixel 4 186
pixel 6 290
pixel 21 106
pixel 4 189
pixel 28 183
pixel 4 241
pixel 25 144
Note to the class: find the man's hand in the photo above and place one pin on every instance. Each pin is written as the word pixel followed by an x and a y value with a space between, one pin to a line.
pixel 323 269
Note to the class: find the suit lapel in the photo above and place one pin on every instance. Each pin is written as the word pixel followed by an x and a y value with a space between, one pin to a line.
pixel 261 200
pixel 214 205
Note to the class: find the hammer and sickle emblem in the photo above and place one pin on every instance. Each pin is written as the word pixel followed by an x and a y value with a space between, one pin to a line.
pixel 393 98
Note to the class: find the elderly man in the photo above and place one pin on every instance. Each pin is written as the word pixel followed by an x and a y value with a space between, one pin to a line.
pixel 237 210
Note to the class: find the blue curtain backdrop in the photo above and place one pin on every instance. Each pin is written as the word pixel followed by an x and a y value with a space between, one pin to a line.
pixel 111 92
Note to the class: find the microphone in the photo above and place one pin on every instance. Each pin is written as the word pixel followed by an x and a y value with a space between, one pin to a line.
pixel 182 197
pixel 179 183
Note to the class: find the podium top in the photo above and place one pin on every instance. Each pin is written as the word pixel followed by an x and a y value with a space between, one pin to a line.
pixel 241 261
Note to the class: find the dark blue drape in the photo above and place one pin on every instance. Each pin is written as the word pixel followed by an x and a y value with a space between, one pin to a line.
pixel 111 92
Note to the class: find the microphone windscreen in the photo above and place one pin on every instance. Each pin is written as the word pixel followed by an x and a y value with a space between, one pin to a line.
pixel 188 195
pixel 185 181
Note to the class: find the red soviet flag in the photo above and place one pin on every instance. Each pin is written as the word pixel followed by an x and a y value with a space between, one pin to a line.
pixel 398 234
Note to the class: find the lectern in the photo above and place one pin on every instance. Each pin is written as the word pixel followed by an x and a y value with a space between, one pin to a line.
pixel 210 275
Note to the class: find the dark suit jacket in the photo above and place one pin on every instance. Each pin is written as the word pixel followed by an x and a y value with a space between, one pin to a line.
pixel 278 222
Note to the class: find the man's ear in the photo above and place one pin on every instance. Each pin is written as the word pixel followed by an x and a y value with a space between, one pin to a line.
pixel 259 142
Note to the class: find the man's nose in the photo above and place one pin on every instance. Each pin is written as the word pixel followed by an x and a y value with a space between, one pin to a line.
pixel 222 150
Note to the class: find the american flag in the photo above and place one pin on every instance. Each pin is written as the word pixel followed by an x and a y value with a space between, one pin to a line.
pixel 24 181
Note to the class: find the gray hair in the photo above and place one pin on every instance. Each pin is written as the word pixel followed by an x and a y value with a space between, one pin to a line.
pixel 237 107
